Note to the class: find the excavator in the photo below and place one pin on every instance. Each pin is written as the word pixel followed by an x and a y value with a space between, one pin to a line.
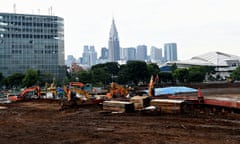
pixel 24 94
pixel 116 91
pixel 76 95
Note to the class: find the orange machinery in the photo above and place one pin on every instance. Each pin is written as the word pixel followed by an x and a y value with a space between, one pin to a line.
pixel 23 94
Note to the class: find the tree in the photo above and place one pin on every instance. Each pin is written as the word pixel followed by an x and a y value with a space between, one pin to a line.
pixel 165 77
pixel 15 80
pixel 110 67
pixel 153 69
pixel 123 75
pixel 137 71
pixel 31 78
pixel 100 76
pixel 181 74
pixel 196 74
pixel 84 76
pixel 235 75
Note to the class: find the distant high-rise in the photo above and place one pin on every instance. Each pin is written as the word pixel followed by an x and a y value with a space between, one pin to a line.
pixel 170 51
pixel 104 53
pixel 70 60
pixel 89 55
pixel 155 54
pixel 141 52
pixel 129 53
pixel 113 44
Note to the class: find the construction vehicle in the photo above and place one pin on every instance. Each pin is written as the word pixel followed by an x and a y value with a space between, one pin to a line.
pixel 76 96
pixel 116 91
pixel 28 93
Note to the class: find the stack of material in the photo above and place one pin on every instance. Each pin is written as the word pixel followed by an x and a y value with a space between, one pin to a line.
pixel 140 102
pixel 118 106
pixel 168 105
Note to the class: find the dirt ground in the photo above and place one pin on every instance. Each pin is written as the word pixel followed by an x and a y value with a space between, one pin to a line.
pixel 39 122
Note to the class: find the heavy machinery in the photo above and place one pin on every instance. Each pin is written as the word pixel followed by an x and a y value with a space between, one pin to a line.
pixel 76 95
pixel 52 89
pixel 28 93
pixel 116 91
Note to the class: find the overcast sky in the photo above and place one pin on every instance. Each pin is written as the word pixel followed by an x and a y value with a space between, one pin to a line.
pixel 197 26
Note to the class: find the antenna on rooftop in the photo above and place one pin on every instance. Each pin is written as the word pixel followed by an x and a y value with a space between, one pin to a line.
pixel 14 8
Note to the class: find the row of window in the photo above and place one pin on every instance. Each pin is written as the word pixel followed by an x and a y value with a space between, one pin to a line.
pixel 27 29
pixel 54 36
pixel 15 51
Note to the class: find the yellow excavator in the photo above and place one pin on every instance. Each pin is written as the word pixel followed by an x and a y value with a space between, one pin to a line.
pixel 76 96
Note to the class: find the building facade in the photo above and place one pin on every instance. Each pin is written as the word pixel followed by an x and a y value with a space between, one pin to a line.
pixel 32 42
pixel 89 55
pixel 155 54
pixel 113 44
pixel 170 51
pixel 129 53
pixel 141 52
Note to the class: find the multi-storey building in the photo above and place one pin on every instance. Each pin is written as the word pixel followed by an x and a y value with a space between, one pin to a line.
pixel 113 44
pixel 89 55
pixel 155 54
pixel 104 53
pixel 170 51
pixel 32 42
pixel 129 53
pixel 141 52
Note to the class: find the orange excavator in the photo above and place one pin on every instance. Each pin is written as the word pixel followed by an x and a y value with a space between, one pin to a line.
pixel 24 94
pixel 116 91
pixel 77 94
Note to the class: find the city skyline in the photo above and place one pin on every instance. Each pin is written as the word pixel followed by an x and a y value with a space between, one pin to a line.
pixel 196 26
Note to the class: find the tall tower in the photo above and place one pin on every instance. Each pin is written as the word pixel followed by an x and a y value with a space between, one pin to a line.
pixel 170 51
pixel 113 44
pixel 141 52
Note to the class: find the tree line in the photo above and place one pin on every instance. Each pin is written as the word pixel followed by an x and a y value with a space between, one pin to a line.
pixel 131 73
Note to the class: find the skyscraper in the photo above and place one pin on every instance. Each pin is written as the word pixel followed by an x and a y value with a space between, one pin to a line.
pixel 104 53
pixel 170 51
pixel 32 42
pixel 141 52
pixel 155 54
pixel 129 53
pixel 89 55
pixel 113 44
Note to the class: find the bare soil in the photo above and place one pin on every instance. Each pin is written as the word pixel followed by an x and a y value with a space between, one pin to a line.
pixel 39 122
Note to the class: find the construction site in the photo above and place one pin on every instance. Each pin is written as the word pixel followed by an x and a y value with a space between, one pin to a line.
pixel 163 115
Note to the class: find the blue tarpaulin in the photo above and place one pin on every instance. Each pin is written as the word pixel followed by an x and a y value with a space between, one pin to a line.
pixel 173 90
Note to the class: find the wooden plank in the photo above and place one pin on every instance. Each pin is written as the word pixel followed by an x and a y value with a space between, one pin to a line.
pixel 118 106
pixel 167 106
pixel 140 101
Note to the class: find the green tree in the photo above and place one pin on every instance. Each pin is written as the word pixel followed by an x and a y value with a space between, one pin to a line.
pixel 181 74
pixel 235 75
pixel 165 77
pixel 15 80
pixel 153 69
pixel 110 67
pixel 31 78
pixel 123 75
pixel 196 74
pixel 137 71
pixel 84 76
pixel 100 76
